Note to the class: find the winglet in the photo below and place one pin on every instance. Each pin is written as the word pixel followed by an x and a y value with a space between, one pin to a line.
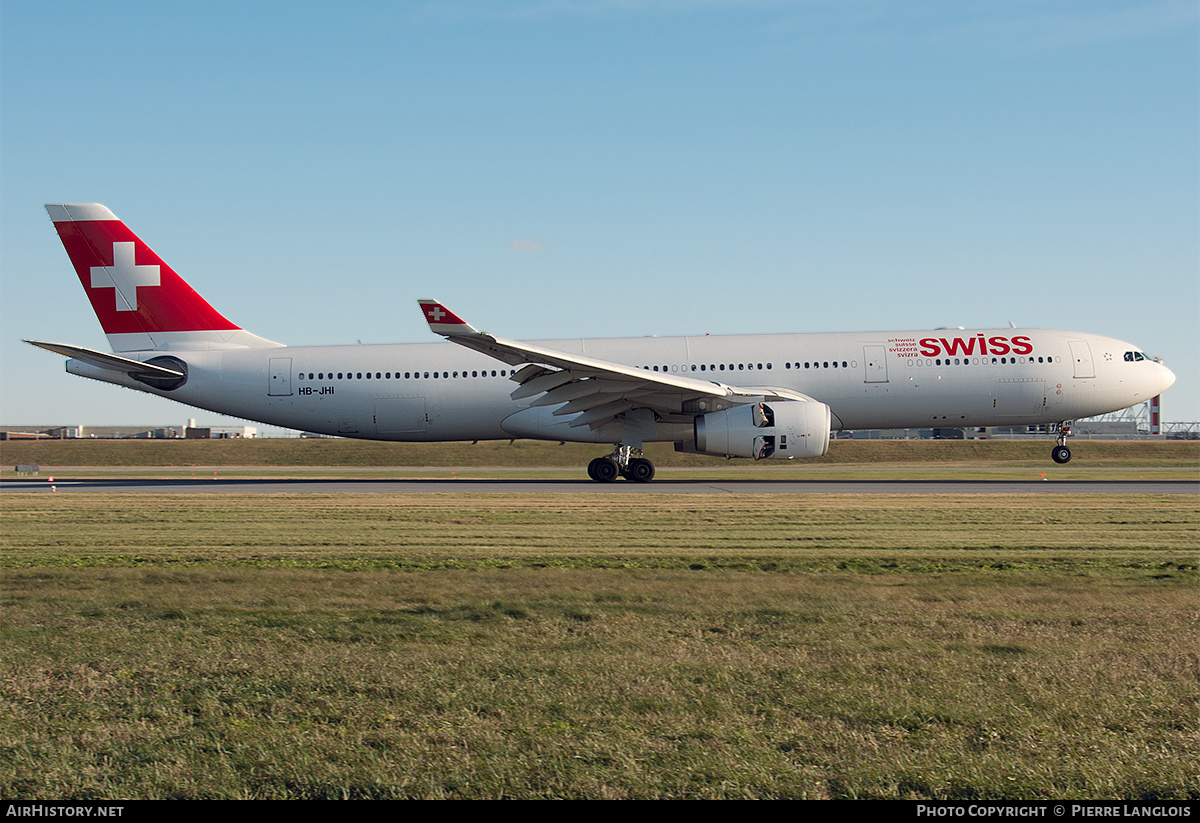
pixel 443 321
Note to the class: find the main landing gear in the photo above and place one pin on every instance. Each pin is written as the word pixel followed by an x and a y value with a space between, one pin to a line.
pixel 1060 453
pixel 625 461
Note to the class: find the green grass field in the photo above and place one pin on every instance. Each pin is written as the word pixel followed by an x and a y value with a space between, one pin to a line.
pixel 282 453
pixel 847 460
pixel 663 646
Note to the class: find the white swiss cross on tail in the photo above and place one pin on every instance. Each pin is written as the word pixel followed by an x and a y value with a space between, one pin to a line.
pixel 124 276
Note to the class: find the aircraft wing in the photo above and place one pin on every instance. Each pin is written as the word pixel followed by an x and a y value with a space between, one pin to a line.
pixel 595 390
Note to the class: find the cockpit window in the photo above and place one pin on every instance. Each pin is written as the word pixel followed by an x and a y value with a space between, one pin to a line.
pixel 1133 356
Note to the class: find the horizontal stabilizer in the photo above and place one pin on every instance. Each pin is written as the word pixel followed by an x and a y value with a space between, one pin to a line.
pixel 112 362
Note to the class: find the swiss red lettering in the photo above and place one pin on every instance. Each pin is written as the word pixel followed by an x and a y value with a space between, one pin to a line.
pixel 935 346
pixel 958 345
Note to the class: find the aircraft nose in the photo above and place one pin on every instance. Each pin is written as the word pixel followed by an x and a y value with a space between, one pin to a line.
pixel 1166 379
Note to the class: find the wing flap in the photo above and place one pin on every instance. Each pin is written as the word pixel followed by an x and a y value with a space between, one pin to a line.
pixel 542 383
pixel 600 414
pixel 570 391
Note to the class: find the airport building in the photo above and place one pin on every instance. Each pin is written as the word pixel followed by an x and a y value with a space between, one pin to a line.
pixel 188 431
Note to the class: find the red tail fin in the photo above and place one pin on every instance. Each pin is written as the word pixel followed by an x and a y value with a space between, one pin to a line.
pixel 140 301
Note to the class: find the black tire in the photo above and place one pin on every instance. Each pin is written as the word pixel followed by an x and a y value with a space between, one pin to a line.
pixel 641 470
pixel 1061 454
pixel 603 470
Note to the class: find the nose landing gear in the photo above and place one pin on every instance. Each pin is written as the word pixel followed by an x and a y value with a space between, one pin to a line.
pixel 1060 453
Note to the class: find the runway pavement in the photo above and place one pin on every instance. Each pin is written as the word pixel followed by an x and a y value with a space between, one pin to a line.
pixel 666 485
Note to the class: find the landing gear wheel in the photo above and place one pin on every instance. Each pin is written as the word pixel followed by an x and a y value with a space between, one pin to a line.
pixel 640 470
pixel 1061 454
pixel 603 470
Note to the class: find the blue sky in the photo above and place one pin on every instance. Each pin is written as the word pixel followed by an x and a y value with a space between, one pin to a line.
pixel 606 168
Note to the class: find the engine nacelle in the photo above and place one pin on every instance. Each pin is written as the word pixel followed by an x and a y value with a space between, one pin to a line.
pixel 781 430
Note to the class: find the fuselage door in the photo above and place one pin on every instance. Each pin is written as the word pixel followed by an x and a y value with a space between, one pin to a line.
pixel 1081 353
pixel 400 416
pixel 280 384
pixel 875 364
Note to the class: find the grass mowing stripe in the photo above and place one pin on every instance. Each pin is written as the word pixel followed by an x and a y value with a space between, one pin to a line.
pixel 480 530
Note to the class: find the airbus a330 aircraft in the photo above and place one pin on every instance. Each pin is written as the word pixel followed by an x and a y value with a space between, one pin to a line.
pixel 762 396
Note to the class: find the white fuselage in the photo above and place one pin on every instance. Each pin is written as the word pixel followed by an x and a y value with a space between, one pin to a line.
pixel 872 380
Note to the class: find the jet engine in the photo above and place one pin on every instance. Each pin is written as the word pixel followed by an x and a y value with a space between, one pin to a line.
pixel 780 430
